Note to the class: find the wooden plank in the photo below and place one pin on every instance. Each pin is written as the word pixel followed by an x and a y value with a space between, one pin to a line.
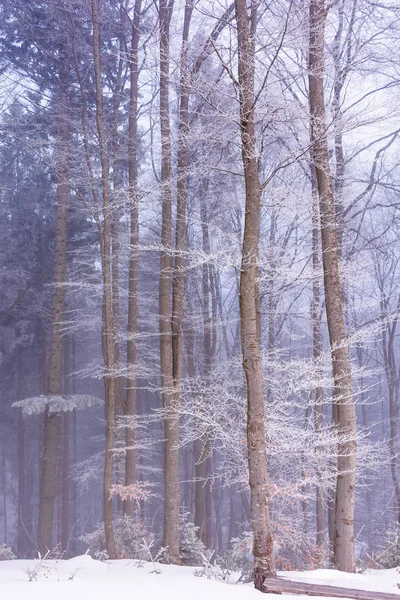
pixel 278 585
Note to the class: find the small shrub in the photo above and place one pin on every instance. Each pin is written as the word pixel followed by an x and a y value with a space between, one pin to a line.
pixel 239 556
pixel 6 553
pixel 214 570
pixel 192 550
pixel 389 555
pixel 129 534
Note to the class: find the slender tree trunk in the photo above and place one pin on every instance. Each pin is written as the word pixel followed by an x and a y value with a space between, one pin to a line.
pixel 263 551
pixel 169 397
pixel 209 345
pixel 392 378
pixel 115 251
pixel 74 486
pixel 65 453
pixel 131 350
pixel 59 502
pixel 344 558
pixel 21 527
pixel 48 481
pixel 108 324
pixel 316 315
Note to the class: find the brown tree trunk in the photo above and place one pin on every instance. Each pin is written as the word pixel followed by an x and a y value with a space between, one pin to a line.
pixel 392 378
pixel 316 315
pixel 59 502
pixel 343 393
pixel 21 542
pixel 65 453
pixel 108 324
pixel 48 481
pixel 171 424
pixel 115 251
pixel 131 350
pixel 263 550
pixel 209 345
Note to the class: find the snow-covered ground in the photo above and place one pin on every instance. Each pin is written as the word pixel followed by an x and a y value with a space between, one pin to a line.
pixel 83 578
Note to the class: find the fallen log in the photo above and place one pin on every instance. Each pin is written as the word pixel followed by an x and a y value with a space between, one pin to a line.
pixel 277 585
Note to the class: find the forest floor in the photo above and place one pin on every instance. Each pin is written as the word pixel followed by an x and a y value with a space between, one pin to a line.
pixel 83 578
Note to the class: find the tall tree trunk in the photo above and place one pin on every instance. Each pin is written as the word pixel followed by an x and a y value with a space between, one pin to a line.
pixel 344 558
pixel 115 251
pixel 392 378
pixel 21 542
pixel 263 550
pixel 209 346
pixel 131 350
pixel 48 481
pixel 108 324
pixel 169 366
pixel 317 356
pixel 65 452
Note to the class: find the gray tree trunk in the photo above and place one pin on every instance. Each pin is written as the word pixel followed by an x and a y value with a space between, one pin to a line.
pixel 48 480
pixel 263 550
pixel 316 316
pixel 343 393
pixel 131 349
pixel 108 324
pixel 171 423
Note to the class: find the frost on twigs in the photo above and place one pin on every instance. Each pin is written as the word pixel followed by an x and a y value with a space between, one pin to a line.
pixel 57 404
pixel 41 567
pixel 153 556
pixel 129 534
pixel 136 491
pixel 214 570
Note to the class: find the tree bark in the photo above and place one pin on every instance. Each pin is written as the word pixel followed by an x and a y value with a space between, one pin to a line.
pixel 283 586
pixel 108 324
pixel 131 349
pixel 21 541
pixel 392 378
pixel 171 423
pixel 316 315
pixel 344 558
pixel 263 551
pixel 48 481
pixel 65 453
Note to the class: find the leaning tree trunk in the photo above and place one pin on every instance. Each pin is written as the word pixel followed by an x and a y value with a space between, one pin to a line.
pixel 48 480
pixel 264 565
pixel 108 325
pixel 343 393
pixel 171 450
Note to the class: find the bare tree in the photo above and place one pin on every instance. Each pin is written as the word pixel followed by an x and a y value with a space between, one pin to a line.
pixel 131 351
pixel 52 421
pixel 263 551
pixel 343 393
pixel 108 322
pixel 171 449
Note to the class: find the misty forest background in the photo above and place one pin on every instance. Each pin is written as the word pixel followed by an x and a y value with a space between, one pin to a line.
pixel 122 207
